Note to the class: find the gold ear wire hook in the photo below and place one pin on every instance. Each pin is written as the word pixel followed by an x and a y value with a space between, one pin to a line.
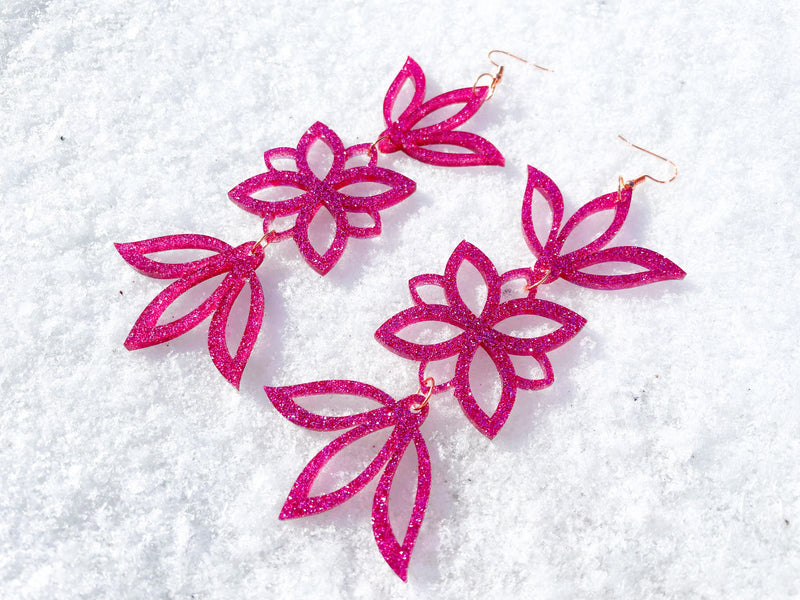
pixel 634 182
pixel 498 77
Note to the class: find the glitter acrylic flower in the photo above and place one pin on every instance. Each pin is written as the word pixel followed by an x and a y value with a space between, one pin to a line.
pixel 404 419
pixel 335 191
pixel 426 143
pixel 480 330
pixel 237 264
pixel 552 264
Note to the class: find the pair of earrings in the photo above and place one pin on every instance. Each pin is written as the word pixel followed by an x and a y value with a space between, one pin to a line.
pixel 509 295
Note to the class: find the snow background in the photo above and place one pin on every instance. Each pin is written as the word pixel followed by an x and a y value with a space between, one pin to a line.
pixel 663 463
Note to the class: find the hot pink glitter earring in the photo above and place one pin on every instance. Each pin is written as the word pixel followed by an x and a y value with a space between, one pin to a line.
pixel 478 328
pixel 308 192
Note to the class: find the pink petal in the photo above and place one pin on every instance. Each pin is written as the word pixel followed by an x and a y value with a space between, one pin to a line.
pixel 283 400
pixel 232 367
pixel 526 383
pixel 400 187
pixel 538 181
pixel 442 382
pixel 410 71
pixel 479 150
pixel 407 423
pixel 242 194
pixel 279 154
pixel 429 279
pixel 658 268
pixel 466 252
pixel 319 132
pixel 146 332
pixel 398 555
pixel 134 254
pixel 301 504
pixel 435 313
pixel 618 202
pixel 472 100
pixel 486 424
pixel 359 231
pixel 321 263
pixel 571 324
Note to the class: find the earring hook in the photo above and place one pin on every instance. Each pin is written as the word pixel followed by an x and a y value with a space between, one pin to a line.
pixel 634 182
pixel 498 77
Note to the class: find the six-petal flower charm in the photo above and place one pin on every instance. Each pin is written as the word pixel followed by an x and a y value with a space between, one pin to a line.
pixel 327 192
pixel 480 330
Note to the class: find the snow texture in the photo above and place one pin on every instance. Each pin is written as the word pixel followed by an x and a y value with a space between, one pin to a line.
pixel 663 463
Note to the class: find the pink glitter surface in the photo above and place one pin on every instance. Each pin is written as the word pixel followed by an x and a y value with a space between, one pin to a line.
pixel 551 264
pixel 405 421
pixel 239 263
pixel 328 192
pixel 404 133
pixel 480 330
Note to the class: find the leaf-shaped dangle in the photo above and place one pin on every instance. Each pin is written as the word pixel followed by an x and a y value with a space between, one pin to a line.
pixel 404 133
pixel 404 417
pixel 237 264
pixel 551 263
pixel 481 329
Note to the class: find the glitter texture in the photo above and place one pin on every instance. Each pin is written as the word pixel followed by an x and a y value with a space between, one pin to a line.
pixel 400 134
pixel 392 413
pixel 479 330
pixel 550 264
pixel 328 193
pixel 239 263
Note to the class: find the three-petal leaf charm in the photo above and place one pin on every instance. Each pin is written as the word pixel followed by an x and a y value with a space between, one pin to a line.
pixel 552 264
pixel 328 192
pixel 480 330
pixel 237 264
pixel 405 133
pixel 405 419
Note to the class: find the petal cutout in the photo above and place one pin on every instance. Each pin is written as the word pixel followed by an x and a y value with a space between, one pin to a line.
pixel 538 181
pixel 146 332
pixel 387 333
pixel 359 231
pixel 469 253
pixel 526 383
pixel 321 263
pixel 242 194
pixel 276 154
pixel 659 268
pixel 472 100
pixel 232 367
pixel 514 282
pixel 410 71
pixel 447 365
pixel 571 323
pixel 618 202
pixel 319 132
pixel 486 424
pixel 395 554
pixel 282 399
pixel 479 150
pixel 134 254
pixel 429 279
pixel 400 187
pixel 300 504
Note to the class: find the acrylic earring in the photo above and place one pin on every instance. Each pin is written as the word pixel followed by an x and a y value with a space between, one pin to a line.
pixel 478 329
pixel 310 194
